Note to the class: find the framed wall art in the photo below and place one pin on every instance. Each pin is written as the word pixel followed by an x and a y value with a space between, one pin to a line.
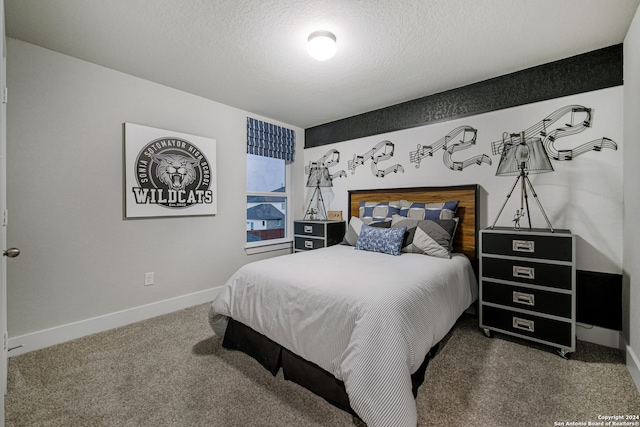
pixel 168 173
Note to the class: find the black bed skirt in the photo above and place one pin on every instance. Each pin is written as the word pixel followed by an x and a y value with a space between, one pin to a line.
pixel 272 356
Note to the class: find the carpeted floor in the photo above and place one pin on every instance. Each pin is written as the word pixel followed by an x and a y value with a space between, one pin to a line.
pixel 172 371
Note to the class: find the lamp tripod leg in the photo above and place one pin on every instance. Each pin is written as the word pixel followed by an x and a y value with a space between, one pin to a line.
pixel 535 196
pixel 306 213
pixel 525 196
pixel 321 200
pixel 505 202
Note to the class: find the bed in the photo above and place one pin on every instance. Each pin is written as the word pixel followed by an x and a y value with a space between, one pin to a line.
pixel 357 323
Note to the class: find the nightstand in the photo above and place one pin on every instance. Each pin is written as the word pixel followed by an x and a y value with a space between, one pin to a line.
pixel 527 285
pixel 314 234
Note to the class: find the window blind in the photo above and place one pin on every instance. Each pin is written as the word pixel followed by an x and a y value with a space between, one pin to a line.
pixel 269 140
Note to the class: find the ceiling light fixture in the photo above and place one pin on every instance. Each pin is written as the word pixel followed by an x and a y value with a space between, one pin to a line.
pixel 321 45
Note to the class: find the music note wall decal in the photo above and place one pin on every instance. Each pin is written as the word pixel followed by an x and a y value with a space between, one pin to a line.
pixel 380 152
pixel 450 148
pixel 579 118
pixel 330 158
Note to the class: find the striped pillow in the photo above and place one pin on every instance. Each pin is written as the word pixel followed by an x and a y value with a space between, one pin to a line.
pixel 380 211
pixel 432 211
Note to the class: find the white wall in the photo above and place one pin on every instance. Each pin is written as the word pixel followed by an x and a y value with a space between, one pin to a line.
pixel 631 280
pixel 80 259
pixel 583 195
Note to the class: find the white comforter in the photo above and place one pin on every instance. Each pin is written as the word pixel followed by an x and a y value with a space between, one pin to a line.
pixel 367 318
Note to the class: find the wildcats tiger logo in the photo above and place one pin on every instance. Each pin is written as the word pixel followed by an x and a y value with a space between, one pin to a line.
pixel 173 173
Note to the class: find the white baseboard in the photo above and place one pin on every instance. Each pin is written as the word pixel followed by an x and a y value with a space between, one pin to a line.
pixel 59 334
pixel 633 365
pixel 598 335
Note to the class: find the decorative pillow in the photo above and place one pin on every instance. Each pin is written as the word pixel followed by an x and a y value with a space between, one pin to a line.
pixel 445 210
pixel 384 240
pixel 355 225
pixel 429 237
pixel 380 211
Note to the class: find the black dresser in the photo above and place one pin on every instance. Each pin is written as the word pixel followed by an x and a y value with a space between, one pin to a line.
pixel 314 234
pixel 527 285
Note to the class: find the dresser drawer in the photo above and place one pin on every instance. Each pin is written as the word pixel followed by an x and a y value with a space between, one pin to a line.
pixel 315 229
pixel 533 273
pixel 536 300
pixel 529 326
pixel 551 247
pixel 306 244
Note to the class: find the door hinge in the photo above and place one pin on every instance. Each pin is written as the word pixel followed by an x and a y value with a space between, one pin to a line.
pixel 5 337
pixel 5 95
pixel 5 218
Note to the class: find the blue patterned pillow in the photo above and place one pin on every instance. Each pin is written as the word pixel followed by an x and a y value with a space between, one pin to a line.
pixel 384 240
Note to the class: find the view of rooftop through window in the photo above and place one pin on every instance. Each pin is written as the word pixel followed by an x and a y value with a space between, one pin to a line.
pixel 266 203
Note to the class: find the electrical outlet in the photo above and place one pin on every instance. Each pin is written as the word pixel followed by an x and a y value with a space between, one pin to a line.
pixel 148 279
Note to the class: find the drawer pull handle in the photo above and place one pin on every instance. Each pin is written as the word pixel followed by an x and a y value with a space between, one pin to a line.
pixel 524 272
pixel 308 244
pixel 308 228
pixel 524 324
pixel 522 298
pixel 527 246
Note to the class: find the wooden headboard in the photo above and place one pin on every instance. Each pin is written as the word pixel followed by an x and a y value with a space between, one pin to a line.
pixel 466 237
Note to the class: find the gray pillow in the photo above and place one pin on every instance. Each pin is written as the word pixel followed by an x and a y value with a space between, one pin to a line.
pixel 354 228
pixel 428 237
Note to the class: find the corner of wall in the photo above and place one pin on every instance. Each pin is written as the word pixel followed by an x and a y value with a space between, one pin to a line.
pixel 633 365
pixel 598 335
pixel 631 290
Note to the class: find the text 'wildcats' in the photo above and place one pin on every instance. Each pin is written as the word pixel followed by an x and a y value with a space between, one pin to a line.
pixel 172 198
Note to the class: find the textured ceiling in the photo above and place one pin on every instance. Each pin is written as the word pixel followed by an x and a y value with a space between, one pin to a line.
pixel 251 54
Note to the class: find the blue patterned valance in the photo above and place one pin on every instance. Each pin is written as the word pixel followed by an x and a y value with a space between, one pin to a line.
pixel 265 139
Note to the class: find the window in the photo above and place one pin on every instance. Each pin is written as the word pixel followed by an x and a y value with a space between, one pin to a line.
pixel 268 192
pixel 267 198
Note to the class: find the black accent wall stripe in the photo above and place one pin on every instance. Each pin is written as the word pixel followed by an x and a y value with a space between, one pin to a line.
pixel 590 71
